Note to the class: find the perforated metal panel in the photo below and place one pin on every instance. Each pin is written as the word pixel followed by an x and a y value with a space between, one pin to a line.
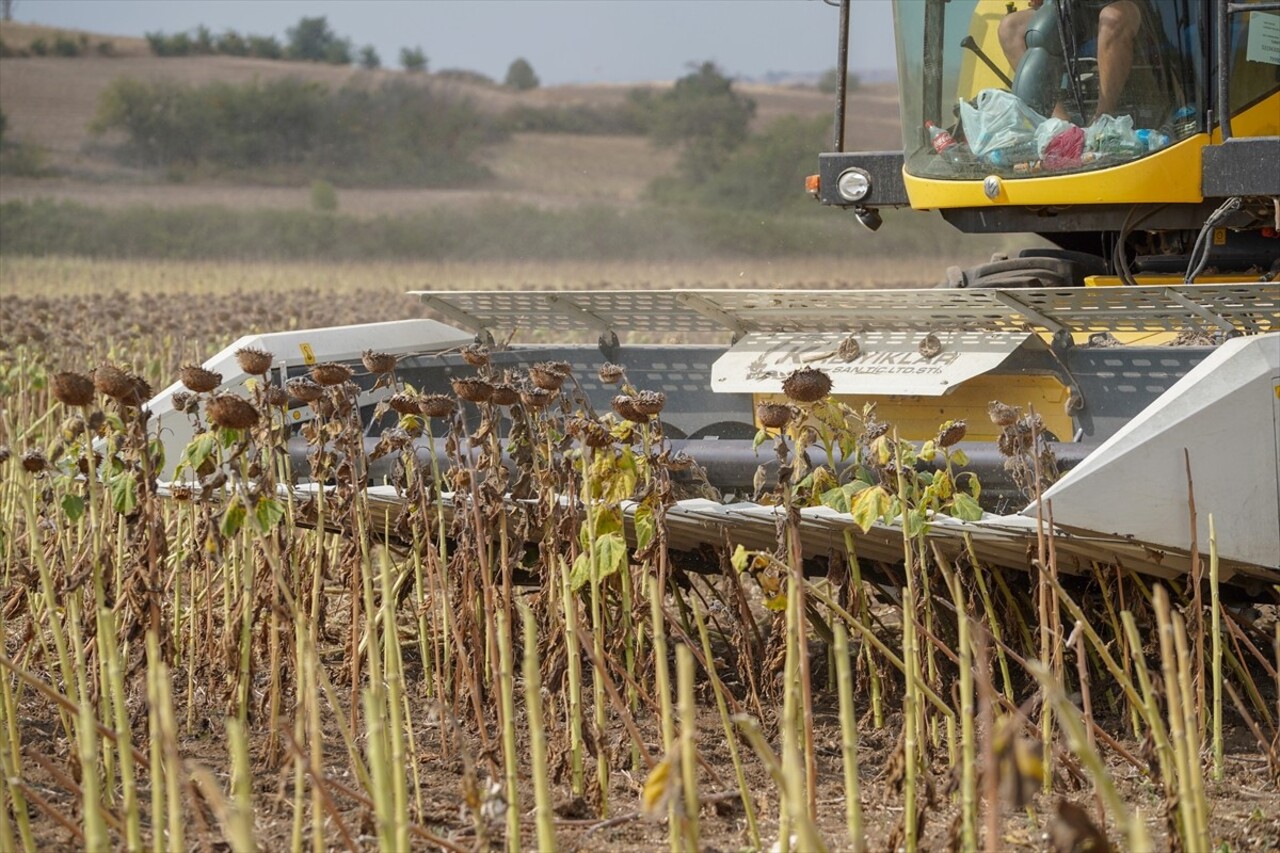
pixel 1244 307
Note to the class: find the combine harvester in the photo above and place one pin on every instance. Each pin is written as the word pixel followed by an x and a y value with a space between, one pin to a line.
pixel 1147 340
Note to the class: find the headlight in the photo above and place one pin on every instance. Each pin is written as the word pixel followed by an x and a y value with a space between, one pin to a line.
pixel 853 184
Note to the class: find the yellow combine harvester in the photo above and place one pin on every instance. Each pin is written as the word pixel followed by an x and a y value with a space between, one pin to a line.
pixel 1146 341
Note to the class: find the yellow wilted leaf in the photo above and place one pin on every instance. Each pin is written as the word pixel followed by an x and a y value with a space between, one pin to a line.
pixel 657 788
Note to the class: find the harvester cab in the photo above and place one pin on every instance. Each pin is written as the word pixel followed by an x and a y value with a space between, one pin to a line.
pixel 1002 132
pixel 1085 385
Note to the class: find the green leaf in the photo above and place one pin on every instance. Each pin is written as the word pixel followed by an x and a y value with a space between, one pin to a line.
pixel 233 518
pixel 776 603
pixel 913 524
pixel 739 559
pixel 412 423
pixel 760 438
pixel 581 572
pixel 928 451
pixel 197 451
pixel 959 457
pixel 644 526
pixel 836 499
pixel 610 554
pixel 155 449
pixel 856 487
pixel 870 506
pixel 267 514
pixel 124 493
pixel 73 506
pixel 965 507
pixel 228 437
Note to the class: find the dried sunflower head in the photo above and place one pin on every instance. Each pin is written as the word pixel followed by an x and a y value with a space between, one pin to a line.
pixel 139 391
pixel 476 355
pixel 610 373
pixel 254 361
pixel 650 402
pixel 1002 414
pixel 181 491
pixel 112 381
pixel 276 396
pixel 505 394
pixel 379 362
pixel 34 461
pixel 231 411
pixel 472 389
pixel 536 398
pixel 873 429
pixel 773 415
pixel 185 402
pixel 625 406
pixel 952 432
pixel 436 405
pixel 73 389
pixel 930 346
pixel 303 389
pixel 590 432
pixel 199 380
pixel 807 385
pixel 545 375
pixel 330 373
pixel 404 403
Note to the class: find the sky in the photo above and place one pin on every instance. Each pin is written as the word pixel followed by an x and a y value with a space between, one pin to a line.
pixel 566 41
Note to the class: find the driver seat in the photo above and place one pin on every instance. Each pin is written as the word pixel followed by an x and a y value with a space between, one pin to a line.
pixel 1045 73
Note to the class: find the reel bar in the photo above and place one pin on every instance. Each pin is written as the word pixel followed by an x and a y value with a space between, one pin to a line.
pixel 1244 307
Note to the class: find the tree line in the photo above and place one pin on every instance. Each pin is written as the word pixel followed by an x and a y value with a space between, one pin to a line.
pixel 400 133
pixel 310 40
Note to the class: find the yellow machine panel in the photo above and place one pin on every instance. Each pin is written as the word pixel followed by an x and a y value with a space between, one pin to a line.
pixel 918 418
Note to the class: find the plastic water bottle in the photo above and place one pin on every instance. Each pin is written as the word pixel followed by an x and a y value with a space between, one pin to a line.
pixel 944 144
pixel 1151 140
pixel 1183 121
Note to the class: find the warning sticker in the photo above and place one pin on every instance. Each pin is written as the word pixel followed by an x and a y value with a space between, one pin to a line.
pixel 875 363
pixel 1264 38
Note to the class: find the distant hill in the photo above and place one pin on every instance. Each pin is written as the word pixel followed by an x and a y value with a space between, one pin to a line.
pixel 49 102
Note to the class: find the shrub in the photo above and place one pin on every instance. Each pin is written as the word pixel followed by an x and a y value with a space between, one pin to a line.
pixel 311 40
pixel 324 197
pixel 265 47
pixel 203 42
pixel 764 174
pixel 464 75
pixel 106 48
pixel 413 60
pixel 369 58
pixel 23 160
pixel 231 43
pixel 702 115
pixel 64 45
pixel 520 76
pixel 287 129
pixel 39 47
pixel 829 82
